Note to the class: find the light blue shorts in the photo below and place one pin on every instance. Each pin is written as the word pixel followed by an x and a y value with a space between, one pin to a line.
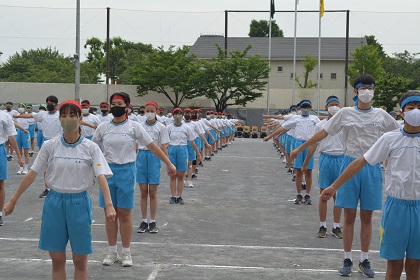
pixel 39 139
pixel 122 186
pixel 22 139
pixel 148 168
pixel 289 143
pixel 199 142
pixel 329 167
pixel 66 216
pixel 365 186
pixel 213 132
pixel 191 152
pixel 282 139
pixel 31 130
pixel 400 229
pixel 209 139
pixel 178 155
pixel 298 163
pixel 3 162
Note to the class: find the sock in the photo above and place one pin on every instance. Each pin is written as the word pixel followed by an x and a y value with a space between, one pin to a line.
pixel 113 249
pixel 1 213
pixel 153 221
pixel 364 256
pixel 347 255
pixel 323 224
pixel 336 225
pixel 144 220
pixel 125 250
pixel 25 167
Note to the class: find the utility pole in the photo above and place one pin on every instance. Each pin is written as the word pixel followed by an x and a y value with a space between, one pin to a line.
pixel 77 55
pixel 107 52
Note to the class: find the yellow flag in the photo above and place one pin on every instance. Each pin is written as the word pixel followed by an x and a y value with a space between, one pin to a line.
pixel 321 8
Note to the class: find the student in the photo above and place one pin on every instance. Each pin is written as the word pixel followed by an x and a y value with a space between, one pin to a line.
pixel 105 116
pixel 31 131
pixel 329 164
pixel 11 112
pixel 67 210
pixel 38 126
pixel 179 135
pixel 362 125
pixel 141 117
pixel 304 126
pixel 169 119
pixel 399 231
pixel 22 139
pixel 149 167
pixel 119 139
pixel 161 117
pixel 90 119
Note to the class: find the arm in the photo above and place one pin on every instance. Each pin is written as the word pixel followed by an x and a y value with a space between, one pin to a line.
pixel 280 117
pixel 205 140
pixel 196 150
pixel 109 208
pixel 23 186
pixel 14 144
pixel 158 152
pixel 20 127
pixel 274 132
pixel 311 152
pixel 88 124
pixel 313 140
pixel 164 148
pixel 215 128
pixel 23 116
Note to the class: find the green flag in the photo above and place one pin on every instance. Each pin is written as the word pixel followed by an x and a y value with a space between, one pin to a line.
pixel 272 9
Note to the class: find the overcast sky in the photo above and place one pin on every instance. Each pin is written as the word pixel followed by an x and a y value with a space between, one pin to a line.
pixel 42 23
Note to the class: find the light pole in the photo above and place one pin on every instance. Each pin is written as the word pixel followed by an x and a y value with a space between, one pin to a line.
pixel 0 56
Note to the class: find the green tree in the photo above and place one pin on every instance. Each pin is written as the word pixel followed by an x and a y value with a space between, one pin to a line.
pixel 234 80
pixel 405 64
pixel 389 89
pixel 309 63
pixel 261 28
pixel 371 41
pixel 366 59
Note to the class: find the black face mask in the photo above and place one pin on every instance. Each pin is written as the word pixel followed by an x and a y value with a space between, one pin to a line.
pixel 118 111
pixel 104 112
pixel 50 107
pixel 8 109
pixel 194 117
pixel 141 112
pixel 187 117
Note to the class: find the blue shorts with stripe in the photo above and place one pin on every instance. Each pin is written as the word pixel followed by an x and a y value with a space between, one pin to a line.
pixel 22 139
pixel 298 163
pixel 399 234
pixel 365 186
pixel 329 167
pixel 122 185
pixel 148 168
pixel 66 216
pixel 3 162
pixel 31 130
pixel 178 155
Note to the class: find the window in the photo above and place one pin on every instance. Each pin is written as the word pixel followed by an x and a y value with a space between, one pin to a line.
pixel 333 76
pixel 321 76
pixel 279 68
pixel 291 76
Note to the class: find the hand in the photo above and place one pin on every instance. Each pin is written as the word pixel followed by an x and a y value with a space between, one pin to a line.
pixel 265 116
pixel 265 139
pixel 20 161
pixel 9 207
pixel 110 213
pixel 328 193
pixel 171 170
pixel 294 154
pixel 199 157
pixel 25 131
pixel 304 169
pixel 208 146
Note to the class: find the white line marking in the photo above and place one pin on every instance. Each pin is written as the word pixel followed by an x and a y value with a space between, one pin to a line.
pixel 226 156
pixel 28 219
pixel 154 273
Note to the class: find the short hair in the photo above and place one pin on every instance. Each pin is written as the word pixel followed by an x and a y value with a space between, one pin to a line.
pixel 407 95
pixel 306 103
pixel 52 98
pixel 365 79
pixel 85 101
pixel 142 107
pixel 9 103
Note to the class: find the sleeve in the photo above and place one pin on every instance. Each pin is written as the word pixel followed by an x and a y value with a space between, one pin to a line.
pixel 10 128
pixel 38 117
pixel 141 134
pixel 100 166
pixel 41 162
pixel 97 136
pixel 190 134
pixel 96 120
pixel 389 122
pixel 333 126
pixel 378 152
pixel 290 123
pixel 164 135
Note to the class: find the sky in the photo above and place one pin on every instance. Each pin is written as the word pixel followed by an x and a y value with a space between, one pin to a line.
pixel 28 25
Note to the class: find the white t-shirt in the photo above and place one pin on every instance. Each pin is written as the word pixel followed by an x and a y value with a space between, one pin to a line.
pixel 331 145
pixel 105 118
pixel 161 119
pixel 360 128
pixel 11 113
pixel 206 124
pixel 133 117
pixel 200 126
pixel 290 132
pixel 194 127
pixel 169 120
pixel 179 135
pixel 119 140
pixel 141 118
pixel 304 126
pixel 70 168
pixel 7 128
pixel 91 119
pixel 51 126
pixel 402 174
pixel 23 122
pixel 158 132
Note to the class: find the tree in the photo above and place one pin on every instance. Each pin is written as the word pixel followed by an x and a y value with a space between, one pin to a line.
pixel 366 60
pixel 371 41
pixel 172 73
pixel 309 63
pixel 404 64
pixel 234 80
pixel 389 89
pixel 261 28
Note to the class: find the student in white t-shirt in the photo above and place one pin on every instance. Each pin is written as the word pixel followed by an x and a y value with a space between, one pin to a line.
pixel 104 116
pixel 400 230
pixel 90 119
pixel 119 139
pixel 160 116
pixel 169 119
pixel 141 117
pixel 11 112
pixel 22 139
pixel 67 210
pixel 362 125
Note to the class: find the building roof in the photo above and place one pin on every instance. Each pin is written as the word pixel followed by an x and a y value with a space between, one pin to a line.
pixel 281 47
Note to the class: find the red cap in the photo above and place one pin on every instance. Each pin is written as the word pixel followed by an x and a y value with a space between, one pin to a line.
pixel 72 102
pixel 177 109
pixel 187 110
pixel 209 112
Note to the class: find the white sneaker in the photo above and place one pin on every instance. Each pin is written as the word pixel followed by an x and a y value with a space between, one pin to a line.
pixel 284 160
pixel 110 258
pixel 190 184
pixel 20 171
pixel 25 171
pixel 126 259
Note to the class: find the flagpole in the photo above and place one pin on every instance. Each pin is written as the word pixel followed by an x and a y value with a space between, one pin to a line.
pixel 294 56
pixel 269 62
pixel 319 57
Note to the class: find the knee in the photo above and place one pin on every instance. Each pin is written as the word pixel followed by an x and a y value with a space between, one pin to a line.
pixel 58 263
pixel 152 195
pixel 144 194
pixel 412 269
pixel 124 216
pixel 81 263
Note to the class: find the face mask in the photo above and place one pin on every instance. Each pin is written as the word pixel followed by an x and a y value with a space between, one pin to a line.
pixel 412 117
pixel 292 113
pixel 21 110
pixel 299 112
pixel 69 125
pixel 212 115
pixel 208 117
pixel 194 117
pixel 150 116
pixel 333 110
pixel 187 117
pixel 169 115
pixel 141 113
pixel 104 112
pixel 118 111
pixel 365 95
pixel 85 111
pixel 160 113
pixel 305 112
pixel 129 111
pixel 50 107
pixel 178 118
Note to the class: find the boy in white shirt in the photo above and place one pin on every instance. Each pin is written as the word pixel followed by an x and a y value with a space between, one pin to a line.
pixel 93 120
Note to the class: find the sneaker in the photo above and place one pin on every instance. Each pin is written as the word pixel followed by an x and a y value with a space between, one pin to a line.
pixel 216 151
pixel 322 233
pixel 110 258
pixel 364 268
pixel 126 260
pixel 153 228
pixel 44 193
pixel 298 199
pixel 308 200
pixel 19 172
pixel 180 200
pixel 190 184
pixel 143 227
pixel 212 154
pixel 284 161
pixel 9 158
pixel 194 176
pixel 294 178
pixel 346 269
pixel 337 233
pixel 201 164
pixel 172 200
pixel 290 171
pixel 25 171
pixel 196 171
pixel 31 153
pixel 1 220
pixel 304 186
pixel 209 158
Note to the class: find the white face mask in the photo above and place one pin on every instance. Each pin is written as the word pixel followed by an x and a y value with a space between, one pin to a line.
pixel 365 95
pixel 129 111
pixel 412 117
pixel 333 110
pixel 208 117
pixel 21 110
pixel 305 112
pixel 169 115
pixel 85 111
pixel 292 113
pixel 178 118
pixel 150 116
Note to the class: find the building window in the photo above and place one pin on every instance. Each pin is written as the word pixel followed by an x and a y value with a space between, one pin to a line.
pixel 291 76
pixel 321 76
pixel 279 68
pixel 333 76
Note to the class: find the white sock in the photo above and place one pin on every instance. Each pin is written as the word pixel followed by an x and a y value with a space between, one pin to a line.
pixel 1 213
pixel 144 220
pixel 153 221
pixel 323 224
pixel 336 225
pixel 125 250
pixel 347 255
pixel 25 167
pixel 113 249
pixel 364 256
